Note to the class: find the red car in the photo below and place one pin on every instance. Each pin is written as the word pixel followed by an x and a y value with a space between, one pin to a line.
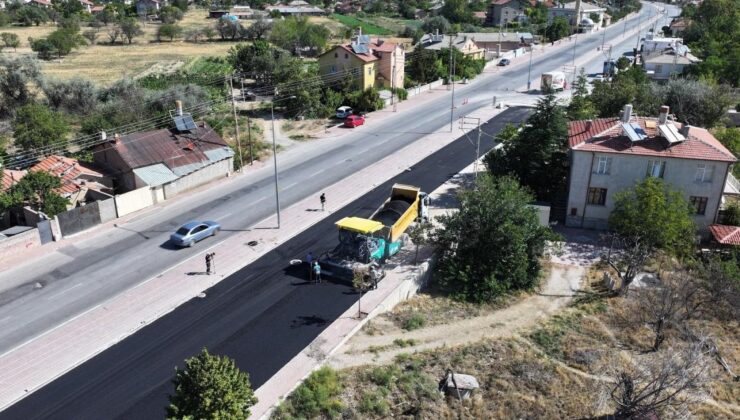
pixel 354 120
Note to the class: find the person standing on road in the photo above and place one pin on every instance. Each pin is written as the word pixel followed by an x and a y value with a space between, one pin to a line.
pixel 209 258
pixel 309 260
pixel 317 272
pixel 323 201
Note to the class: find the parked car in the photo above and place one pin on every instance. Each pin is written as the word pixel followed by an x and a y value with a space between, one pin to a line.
pixel 344 112
pixel 192 232
pixel 504 62
pixel 354 120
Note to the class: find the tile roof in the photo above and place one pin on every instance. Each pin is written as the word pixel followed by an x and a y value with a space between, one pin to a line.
pixel 168 146
pixel 605 135
pixel 10 178
pixel 364 57
pixel 727 235
pixel 67 169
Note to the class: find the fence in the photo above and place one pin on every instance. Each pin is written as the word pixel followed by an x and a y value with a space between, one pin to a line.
pixel 415 90
pixel 19 243
pixel 79 219
pixel 133 200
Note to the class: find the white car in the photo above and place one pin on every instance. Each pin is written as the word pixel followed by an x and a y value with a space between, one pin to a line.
pixel 344 112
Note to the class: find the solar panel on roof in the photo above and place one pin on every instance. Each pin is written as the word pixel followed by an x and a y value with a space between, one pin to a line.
pixel 184 123
pixel 363 39
pixel 360 48
pixel 634 132
pixel 670 132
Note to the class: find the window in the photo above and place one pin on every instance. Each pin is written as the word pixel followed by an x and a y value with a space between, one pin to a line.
pixel 369 70
pixel 346 56
pixel 704 172
pixel 597 196
pixel 336 55
pixel 658 68
pixel 603 165
pixel 333 69
pixel 699 204
pixel 655 168
pixel 573 211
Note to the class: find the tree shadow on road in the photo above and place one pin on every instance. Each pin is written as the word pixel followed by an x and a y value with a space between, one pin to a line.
pixel 308 321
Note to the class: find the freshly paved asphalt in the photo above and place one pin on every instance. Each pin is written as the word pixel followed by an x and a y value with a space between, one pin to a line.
pixel 82 274
pixel 261 316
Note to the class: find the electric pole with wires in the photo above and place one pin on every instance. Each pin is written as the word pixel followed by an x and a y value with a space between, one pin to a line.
pixel 473 123
pixel 236 123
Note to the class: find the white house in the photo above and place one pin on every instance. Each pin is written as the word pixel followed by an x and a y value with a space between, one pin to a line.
pixel 653 43
pixel 589 18
pixel 608 155
pixel 661 65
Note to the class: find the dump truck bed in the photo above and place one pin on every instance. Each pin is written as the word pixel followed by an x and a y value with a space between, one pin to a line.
pixel 399 211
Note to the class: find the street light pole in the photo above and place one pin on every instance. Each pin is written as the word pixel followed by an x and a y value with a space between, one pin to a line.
pixel 274 154
pixel 529 72
pixel 236 124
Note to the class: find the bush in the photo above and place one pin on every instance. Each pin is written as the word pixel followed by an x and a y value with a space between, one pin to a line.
pixel 414 322
pixel 401 93
pixel 373 402
pixel 317 396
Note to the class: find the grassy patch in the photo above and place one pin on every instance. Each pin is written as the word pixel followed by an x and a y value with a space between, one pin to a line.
pixel 414 322
pixel 368 28
pixel 317 396
pixel 400 342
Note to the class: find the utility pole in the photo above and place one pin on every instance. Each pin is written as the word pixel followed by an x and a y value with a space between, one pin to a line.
pixel 249 129
pixel 529 72
pixel 393 82
pixel 452 82
pixel 575 42
pixel 473 122
pixel 274 153
pixel 236 123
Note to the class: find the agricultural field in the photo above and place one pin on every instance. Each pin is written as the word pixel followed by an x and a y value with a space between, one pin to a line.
pixel 104 63
pixel 368 27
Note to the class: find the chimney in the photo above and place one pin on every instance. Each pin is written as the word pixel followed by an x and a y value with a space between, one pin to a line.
pixel 588 125
pixel 685 129
pixel 103 136
pixel 627 113
pixel 663 114
pixel 116 138
pixel 178 106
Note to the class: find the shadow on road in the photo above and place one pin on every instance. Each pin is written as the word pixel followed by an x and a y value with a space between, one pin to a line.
pixel 169 246
pixel 307 321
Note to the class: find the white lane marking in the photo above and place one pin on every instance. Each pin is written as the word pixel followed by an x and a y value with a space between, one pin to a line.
pixel 224 216
pixel 63 291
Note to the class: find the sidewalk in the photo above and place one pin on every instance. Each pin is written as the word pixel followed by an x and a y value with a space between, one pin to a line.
pixel 44 358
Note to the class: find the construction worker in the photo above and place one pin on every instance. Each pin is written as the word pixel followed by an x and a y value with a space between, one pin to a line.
pixel 209 258
pixel 323 201
pixel 317 271
pixel 309 260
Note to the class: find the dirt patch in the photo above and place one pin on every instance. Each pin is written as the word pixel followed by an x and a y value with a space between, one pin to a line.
pixel 302 130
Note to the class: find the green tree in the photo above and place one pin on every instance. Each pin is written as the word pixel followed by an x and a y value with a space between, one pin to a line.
pixel 698 102
pixel 730 138
pixel 656 214
pixel 296 33
pixel 493 244
pixel 130 28
pixel 424 65
pixel 10 40
pixel 170 31
pixel 38 190
pixel 170 14
pixel 580 107
pixel 538 155
pixel 260 60
pixel 559 28
pixel 17 79
pixel 64 41
pixel 436 24
pixel 74 96
pixel 210 387
pixel 457 11
pixel 37 126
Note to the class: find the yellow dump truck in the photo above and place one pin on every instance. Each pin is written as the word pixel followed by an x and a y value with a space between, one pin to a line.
pixel 366 243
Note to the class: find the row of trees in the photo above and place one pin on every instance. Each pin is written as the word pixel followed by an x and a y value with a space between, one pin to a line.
pixel 426 66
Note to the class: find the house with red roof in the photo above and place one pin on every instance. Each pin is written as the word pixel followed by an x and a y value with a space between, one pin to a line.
pixel 80 182
pixel 608 155
pixel 374 62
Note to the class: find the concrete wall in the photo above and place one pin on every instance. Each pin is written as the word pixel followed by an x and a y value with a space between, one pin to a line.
pixel 19 243
pixel 79 219
pixel 218 170
pixel 133 201
pixel 413 91
pixel 625 172
pixel 107 210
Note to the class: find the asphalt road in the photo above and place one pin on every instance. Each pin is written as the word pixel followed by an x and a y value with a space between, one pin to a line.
pixel 78 276
pixel 261 316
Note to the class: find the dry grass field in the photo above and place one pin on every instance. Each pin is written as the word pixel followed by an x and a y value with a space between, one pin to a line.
pixel 105 63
